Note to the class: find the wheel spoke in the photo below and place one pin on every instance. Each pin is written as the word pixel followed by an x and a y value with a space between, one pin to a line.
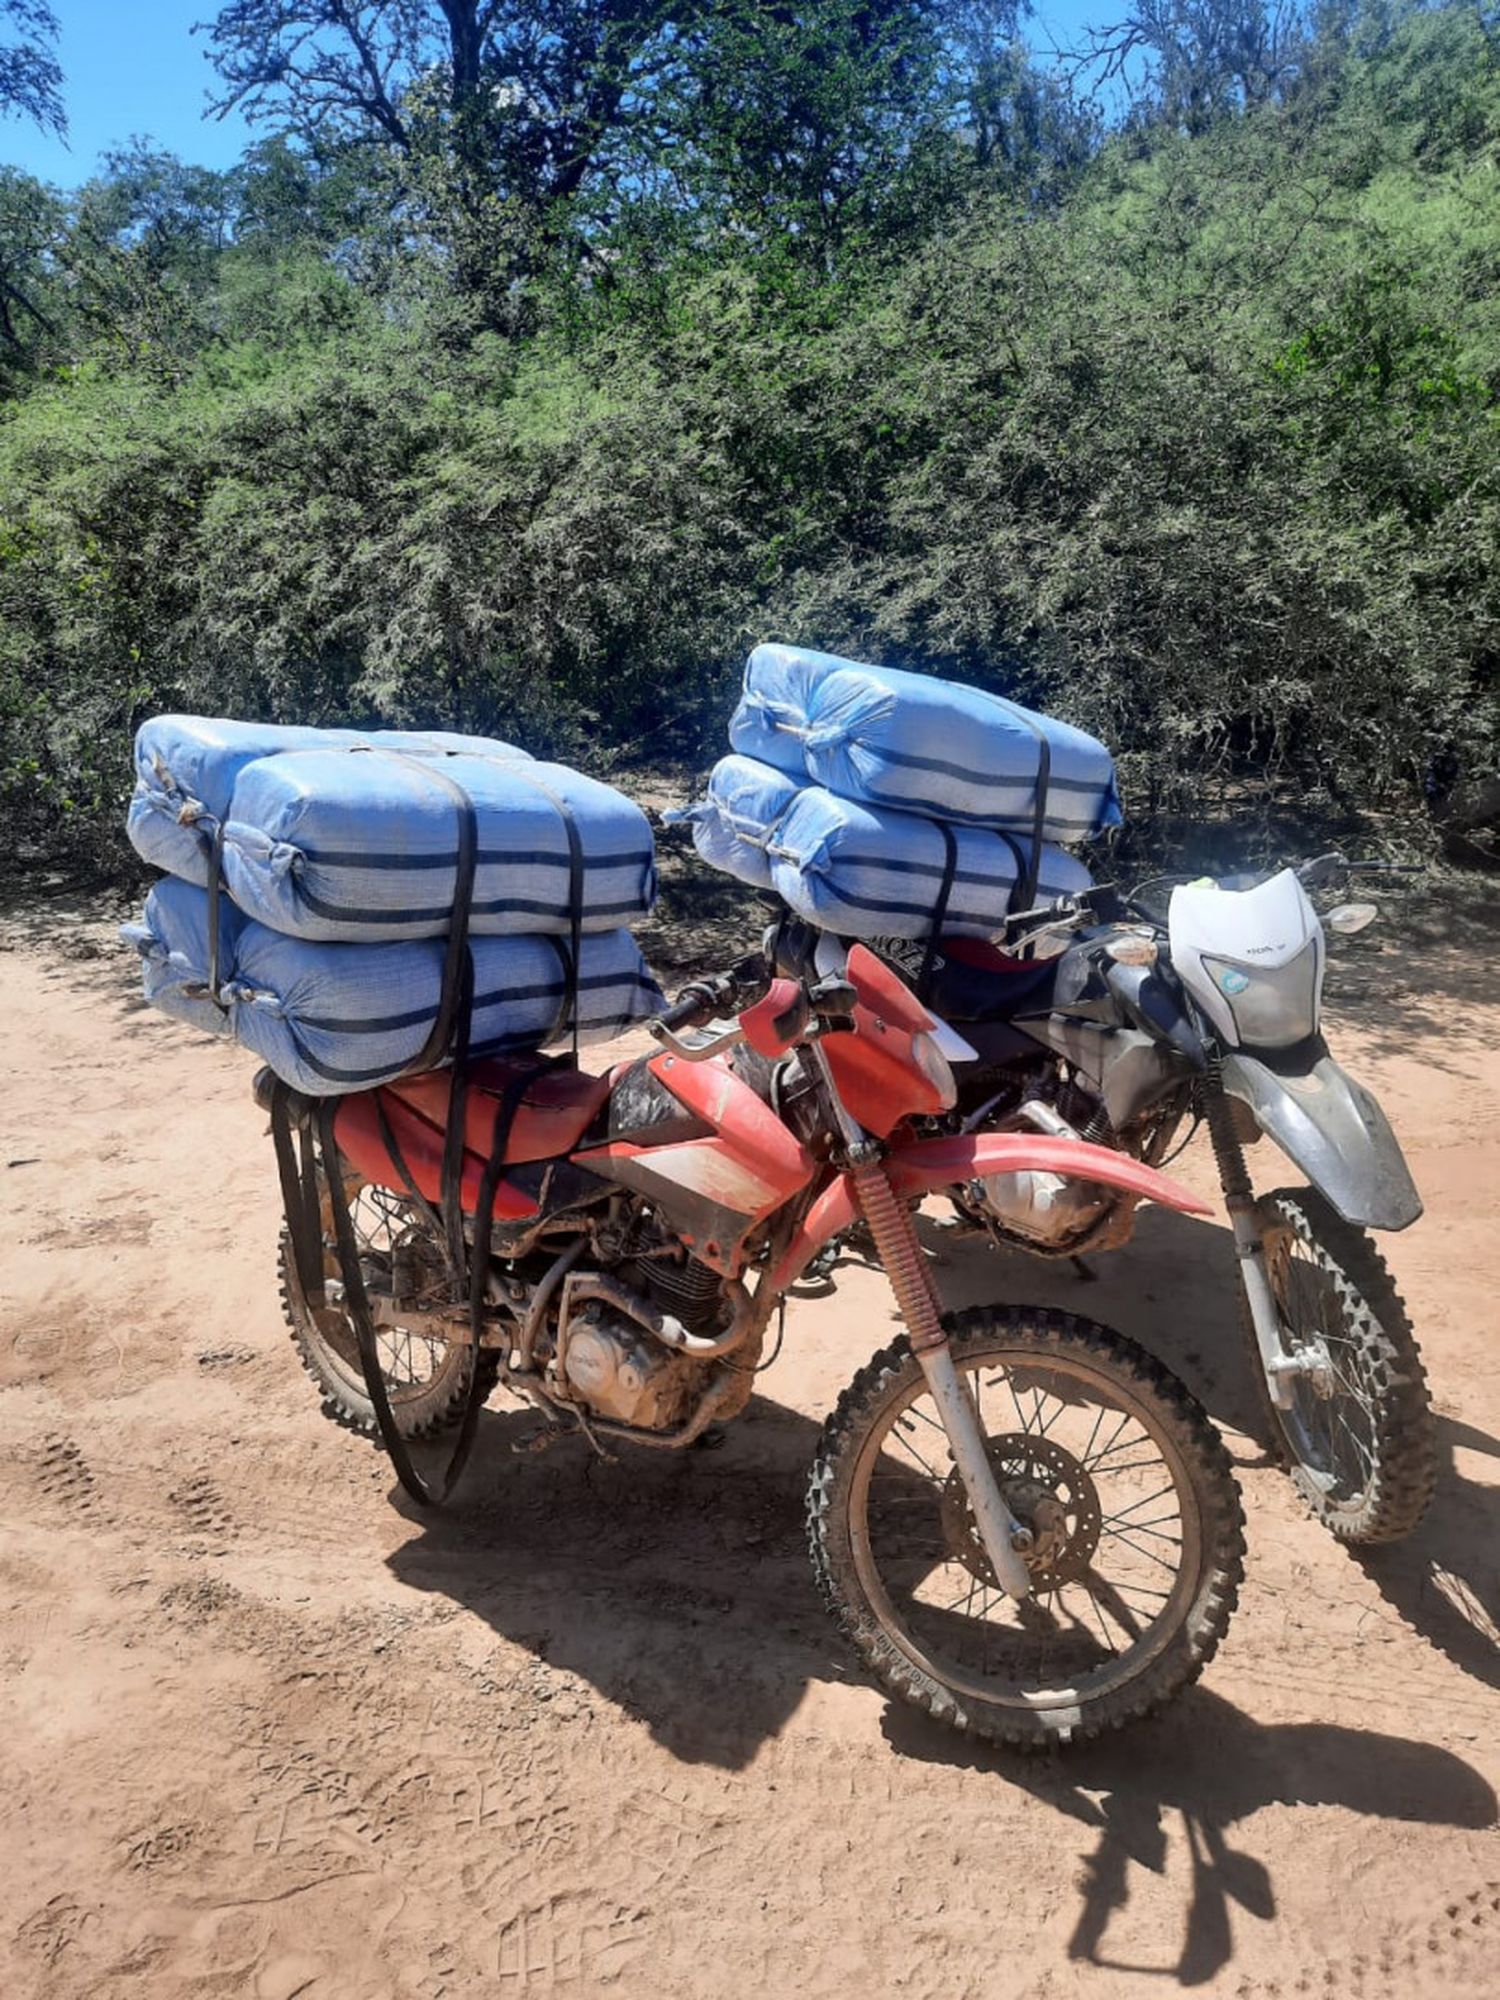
pixel 1150 1555
pixel 905 1442
pixel 1099 1591
pixel 1091 1599
pixel 1099 1457
pixel 1124 1513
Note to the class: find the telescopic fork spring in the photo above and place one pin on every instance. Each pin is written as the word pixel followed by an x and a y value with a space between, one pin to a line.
pixel 1229 1154
pixel 895 1236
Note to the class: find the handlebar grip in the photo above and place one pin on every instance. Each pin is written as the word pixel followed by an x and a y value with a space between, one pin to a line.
pixel 692 1007
pixel 834 999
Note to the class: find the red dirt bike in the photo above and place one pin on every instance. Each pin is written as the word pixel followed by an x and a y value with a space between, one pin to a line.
pixel 1022 1521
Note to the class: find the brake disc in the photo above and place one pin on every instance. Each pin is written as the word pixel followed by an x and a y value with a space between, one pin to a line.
pixel 1049 1492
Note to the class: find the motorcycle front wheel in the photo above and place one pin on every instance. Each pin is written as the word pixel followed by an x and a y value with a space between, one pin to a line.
pixel 1137 1533
pixel 1357 1434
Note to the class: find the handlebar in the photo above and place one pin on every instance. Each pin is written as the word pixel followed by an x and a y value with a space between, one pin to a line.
pixel 706 999
pixel 1101 902
pixel 1107 903
pixel 1325 868
pixel 694 1006
pixel 825 1006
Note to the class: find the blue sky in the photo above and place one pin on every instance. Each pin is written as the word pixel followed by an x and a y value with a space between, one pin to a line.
pixel 132 68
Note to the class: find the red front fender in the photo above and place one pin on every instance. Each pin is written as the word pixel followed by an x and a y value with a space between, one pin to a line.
pixel 929 1165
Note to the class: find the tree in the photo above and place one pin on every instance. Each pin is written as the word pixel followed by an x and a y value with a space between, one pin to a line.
pixel 30 74
pixel 30 221
pixel 497 129
pixel 1017 117
pixel 797 122
pixel 1186 62
pixel 514 125
pixel 530 94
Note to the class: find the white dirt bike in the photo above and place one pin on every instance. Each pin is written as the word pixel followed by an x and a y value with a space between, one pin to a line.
pixel 1120 1017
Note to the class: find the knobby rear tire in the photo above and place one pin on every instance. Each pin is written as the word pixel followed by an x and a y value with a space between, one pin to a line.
pixel 437 1406
pixel 1029 1336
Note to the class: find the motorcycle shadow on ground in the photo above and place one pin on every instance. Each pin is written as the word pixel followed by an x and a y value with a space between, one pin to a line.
pixel 676 1584
pixel 1207 1764
pixel 679 1590
pixel 1444 1579
pixel 1174 1293
pixel 678 1587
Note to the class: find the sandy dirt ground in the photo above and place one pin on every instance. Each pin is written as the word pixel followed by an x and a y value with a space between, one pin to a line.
pixel 265 1732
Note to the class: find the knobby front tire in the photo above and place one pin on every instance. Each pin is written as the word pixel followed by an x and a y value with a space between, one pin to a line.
pixel 1093 1442
pixel 1364 1457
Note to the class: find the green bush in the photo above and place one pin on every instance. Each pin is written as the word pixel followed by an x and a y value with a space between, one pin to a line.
pixel 1196 444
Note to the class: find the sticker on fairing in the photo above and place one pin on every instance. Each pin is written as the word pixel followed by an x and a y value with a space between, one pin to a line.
pixel 1231 980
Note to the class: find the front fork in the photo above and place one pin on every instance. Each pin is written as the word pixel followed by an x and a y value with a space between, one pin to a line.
pixel 1265 1315
pixel 1005 1538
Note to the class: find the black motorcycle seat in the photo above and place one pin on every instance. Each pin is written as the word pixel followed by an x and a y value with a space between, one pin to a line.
pixel 972 981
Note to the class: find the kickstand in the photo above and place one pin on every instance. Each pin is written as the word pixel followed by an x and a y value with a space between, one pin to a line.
pixel 1085 1271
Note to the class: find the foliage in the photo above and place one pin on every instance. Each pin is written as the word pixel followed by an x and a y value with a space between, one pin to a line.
pixel 518 130
pixel 1186 429
pixel 30 74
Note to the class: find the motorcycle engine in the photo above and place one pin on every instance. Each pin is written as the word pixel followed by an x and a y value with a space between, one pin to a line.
pixel 1041 1208
pixel 618 1371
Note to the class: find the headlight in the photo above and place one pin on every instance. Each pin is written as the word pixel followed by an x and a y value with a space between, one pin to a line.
pixel 1273 1006
pixel 937 1069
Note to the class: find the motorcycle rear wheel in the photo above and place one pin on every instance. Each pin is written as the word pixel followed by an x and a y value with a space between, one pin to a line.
pixel 426 1381
pixel 1362 1456
pixel 1138 1550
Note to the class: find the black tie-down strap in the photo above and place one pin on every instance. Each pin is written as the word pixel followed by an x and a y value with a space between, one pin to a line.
pixel 453 1024
pixel 1023 897
pixel 357 1304
pixel 468 1258
pixel 298 1166
pixel 213 856
pixel 568 1016
pixel 1028 868
pixel 1027 895
pixel 940 910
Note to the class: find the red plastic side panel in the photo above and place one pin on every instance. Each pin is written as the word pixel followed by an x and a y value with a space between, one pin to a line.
pixel 746 1124
pixel 725 1185
pixel 929 1165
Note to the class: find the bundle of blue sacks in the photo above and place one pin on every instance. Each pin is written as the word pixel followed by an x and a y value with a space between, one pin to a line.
pixel 851 789
pixel 337 851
